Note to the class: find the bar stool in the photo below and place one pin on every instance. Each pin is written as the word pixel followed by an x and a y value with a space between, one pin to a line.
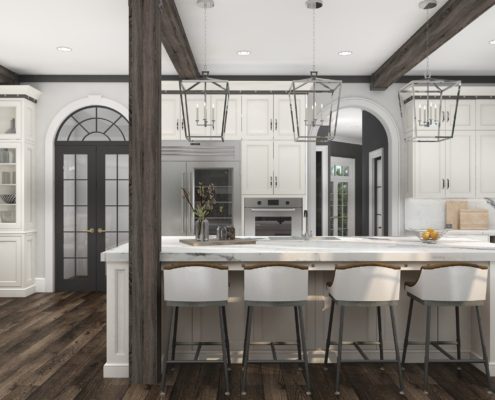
pixel 276 285
pixel 364 285
pixel 196 285
pixel 454 285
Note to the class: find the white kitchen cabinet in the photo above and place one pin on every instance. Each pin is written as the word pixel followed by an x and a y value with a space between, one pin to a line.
pixel 171 117
pixel 289 168
pixel 466 115
pixel 257 117
pixel 273 167
pixel 282 117
pixel 257 167
pixel 445 169
pixel 233 128
pixel 485 115
pixel 17 194
pixel 485 164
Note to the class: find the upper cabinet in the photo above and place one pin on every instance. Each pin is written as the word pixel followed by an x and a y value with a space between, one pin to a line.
pixel 257 117
pixel 233 129
pixel 171 118
pixel 485 115
pixel 466 115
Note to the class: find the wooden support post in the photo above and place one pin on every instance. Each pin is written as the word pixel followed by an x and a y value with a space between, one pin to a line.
pixel 145 190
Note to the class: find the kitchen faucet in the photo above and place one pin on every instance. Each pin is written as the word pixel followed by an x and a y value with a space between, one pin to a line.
pixel 307 234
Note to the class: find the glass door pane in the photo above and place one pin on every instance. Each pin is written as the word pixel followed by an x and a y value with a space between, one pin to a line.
pixel 8 185
pixel 8 119
pixel 342 181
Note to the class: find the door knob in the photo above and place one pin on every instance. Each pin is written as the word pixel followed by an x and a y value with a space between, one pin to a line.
pixel 101 230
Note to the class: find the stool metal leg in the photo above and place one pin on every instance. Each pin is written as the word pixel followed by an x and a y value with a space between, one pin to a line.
pixel 304 349
pixel 174 338
pixel 380 336
pixel 165 355
pixel 408 326
pixel 226 329
pixel 427 346
pixel 458 336
pixel 397 352
pixel 329 334
pixel 298 334
pixel 339 352
pixel 483 349
pixel 224 349
pixel 245 355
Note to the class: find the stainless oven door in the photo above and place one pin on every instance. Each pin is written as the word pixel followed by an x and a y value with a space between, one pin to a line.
pixel 273 221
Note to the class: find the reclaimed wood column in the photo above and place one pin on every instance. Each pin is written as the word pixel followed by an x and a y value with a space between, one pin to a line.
pixel 145 183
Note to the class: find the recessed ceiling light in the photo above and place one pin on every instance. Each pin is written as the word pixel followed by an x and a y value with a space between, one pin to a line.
pixel 492 41
pixel 345 53
pixel 243 53
pixel 64 49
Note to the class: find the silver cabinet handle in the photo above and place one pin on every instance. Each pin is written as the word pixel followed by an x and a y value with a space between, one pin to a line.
pixel 177 124
pixel 271 181
pixel 448 183
pixel 443 183
pixel 276 181
pixel 276 124
pixel 271 124
pixel 448 116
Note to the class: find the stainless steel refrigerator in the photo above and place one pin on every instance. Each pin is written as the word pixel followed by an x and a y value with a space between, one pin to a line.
pixel 186 166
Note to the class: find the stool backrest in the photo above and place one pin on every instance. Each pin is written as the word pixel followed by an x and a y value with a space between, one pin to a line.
pixel 197 282
pixel 275 282
pixel 452 282
pixel 366 282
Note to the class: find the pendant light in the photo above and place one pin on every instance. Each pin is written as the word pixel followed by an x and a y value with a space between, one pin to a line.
pixel 207 96
pixel 429 106
pixel 314 100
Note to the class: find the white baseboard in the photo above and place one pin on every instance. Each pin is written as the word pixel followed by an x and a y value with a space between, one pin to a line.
pixel 17 292
pixel 40 285
pixel 115 370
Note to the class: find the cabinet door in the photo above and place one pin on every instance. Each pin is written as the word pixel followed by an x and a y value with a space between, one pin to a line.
pixel 171 117
pixel 257 117
pixel 10 119
pixel 10 261
pixel 10 185
pixel 282 123
pixel 485 164
pixel 466 115
pixel 460 167
pixel 289 168
pixel 233 129
pixel 257 167
pixel 485 115
pixel 429 170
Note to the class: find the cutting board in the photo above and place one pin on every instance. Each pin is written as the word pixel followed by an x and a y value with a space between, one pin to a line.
pixel 452 208
pixel 473 218
pixel 214 242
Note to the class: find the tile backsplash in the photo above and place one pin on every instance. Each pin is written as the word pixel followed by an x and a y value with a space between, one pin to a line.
pixel 426 213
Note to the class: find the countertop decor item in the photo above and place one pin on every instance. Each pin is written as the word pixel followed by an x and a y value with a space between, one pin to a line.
pixel 452 208
pixel 430 235
pixel 473 218
pixel 8 198
pixel 204 203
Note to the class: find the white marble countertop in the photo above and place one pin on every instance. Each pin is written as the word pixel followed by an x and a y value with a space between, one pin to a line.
pixel 315 250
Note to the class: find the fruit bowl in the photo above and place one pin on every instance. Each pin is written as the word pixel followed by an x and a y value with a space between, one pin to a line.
pixel 430 235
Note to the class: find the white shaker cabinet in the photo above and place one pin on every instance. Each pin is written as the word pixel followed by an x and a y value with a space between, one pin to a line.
pixel 273 167
pixel 428 170
pixel 171 117
pixel 257 117
pixel 466 115
pixel 485 115
pixel 233 128
pixel 485 164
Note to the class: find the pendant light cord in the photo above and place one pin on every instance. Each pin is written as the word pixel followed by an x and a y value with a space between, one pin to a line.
pixel 314 39
pixel 204 39
pixel 427 39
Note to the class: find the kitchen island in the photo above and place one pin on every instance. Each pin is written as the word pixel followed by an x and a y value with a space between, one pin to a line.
pixel 321 254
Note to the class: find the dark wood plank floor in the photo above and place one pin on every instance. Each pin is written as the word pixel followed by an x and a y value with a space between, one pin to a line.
pixel 52 346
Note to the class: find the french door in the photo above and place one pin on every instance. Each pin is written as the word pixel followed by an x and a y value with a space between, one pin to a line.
pixel 91 211
pixel 343 202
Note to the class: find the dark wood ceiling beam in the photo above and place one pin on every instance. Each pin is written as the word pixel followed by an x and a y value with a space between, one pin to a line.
pixel 175 41
pixel 453 17
pixel 7 77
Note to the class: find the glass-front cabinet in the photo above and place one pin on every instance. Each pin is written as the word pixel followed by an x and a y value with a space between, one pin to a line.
pixel 17 228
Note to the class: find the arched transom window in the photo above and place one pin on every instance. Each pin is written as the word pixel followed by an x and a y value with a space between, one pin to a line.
pixel 94 124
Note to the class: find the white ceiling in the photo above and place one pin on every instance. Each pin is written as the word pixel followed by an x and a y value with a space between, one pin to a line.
pixel 278 33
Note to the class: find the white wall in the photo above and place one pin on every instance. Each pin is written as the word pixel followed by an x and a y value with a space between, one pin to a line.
pixel 56 96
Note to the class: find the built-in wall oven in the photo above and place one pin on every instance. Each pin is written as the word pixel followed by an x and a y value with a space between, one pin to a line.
pixel 273 216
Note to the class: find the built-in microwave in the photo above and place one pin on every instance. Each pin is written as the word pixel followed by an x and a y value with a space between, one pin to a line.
pixel 273 216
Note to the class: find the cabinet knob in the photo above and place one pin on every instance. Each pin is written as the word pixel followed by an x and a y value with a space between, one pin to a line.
pixel 101 230
pixel 276 181
pixel 91 230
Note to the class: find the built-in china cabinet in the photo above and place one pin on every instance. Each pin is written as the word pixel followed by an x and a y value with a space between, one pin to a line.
pixel 17 194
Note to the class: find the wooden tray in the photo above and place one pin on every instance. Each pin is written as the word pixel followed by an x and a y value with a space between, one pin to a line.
pixel 215 242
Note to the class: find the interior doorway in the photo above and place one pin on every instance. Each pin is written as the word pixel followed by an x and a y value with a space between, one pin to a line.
pixel 91 195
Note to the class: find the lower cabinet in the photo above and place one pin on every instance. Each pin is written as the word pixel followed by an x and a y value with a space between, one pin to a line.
pixel 17 264
pixel 273 167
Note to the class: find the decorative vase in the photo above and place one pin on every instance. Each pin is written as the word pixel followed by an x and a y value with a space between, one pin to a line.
pixel 202 230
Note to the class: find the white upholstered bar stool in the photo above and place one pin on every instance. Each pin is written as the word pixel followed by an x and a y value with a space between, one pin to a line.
pixel 364 285
pixel 276 285
pixel 196 285
pixel 448 284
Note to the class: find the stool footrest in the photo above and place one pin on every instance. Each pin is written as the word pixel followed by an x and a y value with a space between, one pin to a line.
pixel 286 361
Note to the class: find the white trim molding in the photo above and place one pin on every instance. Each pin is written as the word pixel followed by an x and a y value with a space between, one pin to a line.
pixel 92 100
pixel 17 292
pixel 39 283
